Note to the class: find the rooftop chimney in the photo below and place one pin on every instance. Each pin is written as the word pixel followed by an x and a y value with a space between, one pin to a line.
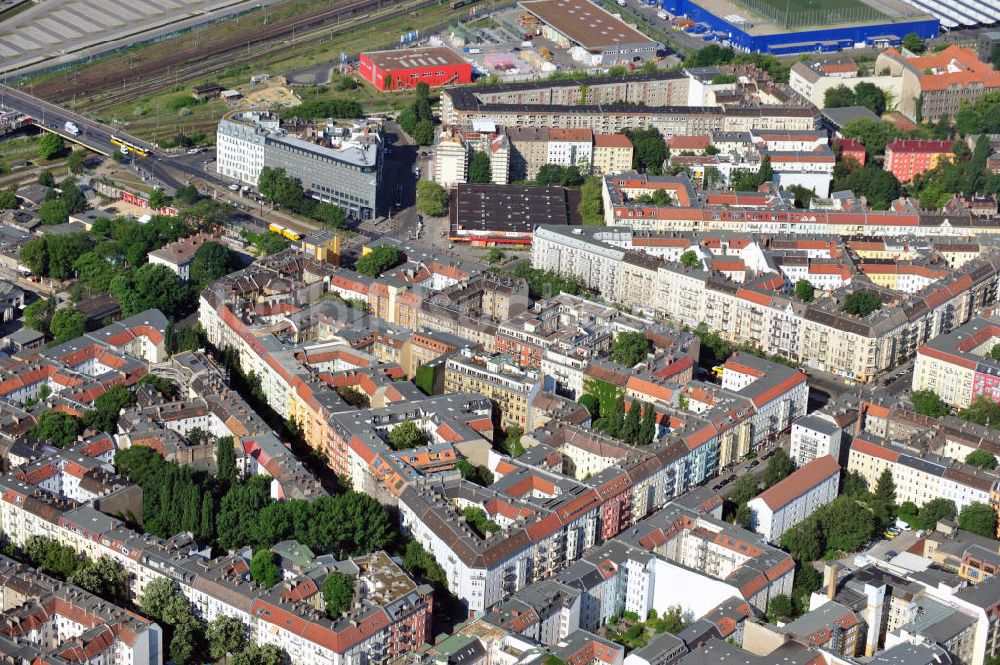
pixel 830 579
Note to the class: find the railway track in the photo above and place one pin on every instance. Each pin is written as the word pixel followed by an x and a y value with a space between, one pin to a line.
pixel 202 60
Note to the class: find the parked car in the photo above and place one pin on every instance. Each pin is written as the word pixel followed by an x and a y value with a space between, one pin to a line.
pixel 888 556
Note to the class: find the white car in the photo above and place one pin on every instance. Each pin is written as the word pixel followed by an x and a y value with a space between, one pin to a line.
pixel 234 188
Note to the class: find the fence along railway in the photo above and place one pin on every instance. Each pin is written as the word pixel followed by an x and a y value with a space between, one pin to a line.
pixel 204 59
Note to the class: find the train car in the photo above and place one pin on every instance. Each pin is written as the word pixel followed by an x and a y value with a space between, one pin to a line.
pixel 285 232
pixel 455 4
pixel 127 147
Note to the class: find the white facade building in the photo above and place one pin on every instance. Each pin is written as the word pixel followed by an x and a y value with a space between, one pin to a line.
pixel 795 498
pixel 814 436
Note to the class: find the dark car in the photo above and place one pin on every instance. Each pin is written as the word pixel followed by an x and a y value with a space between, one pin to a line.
pixel 753 464
pixel 888 556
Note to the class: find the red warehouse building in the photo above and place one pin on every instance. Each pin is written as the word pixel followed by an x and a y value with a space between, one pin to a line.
pixel 405 68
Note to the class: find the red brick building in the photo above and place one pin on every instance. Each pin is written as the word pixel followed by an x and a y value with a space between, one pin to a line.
pixel 906 159
pixel 404 68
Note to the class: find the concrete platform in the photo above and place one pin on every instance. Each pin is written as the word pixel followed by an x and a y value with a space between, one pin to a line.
pixel 57 32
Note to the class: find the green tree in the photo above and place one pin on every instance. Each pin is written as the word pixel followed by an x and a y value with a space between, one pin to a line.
pixel 103 577
pixel 804 541
pixel 46 179
pixel 162 602
pixel 870 96
pixel 928 403
pixel 432 198
pixel 614 419
pixel 846 524
pixel 477 519
pixel 632 423
pixel 862 303
pixel 479 167
pixel 187 194
pixel 854 485
pixel 423 133
pixel 875 135
pixel 689 259
pixel 494 256
pixel 914 43
pixel 838 97
pixel 52 212
pixel 982 458
pixel 885 498
pixel 211 261
pixel 264 568
pixel 647 428
pixel 50 146
pixel 108 406
pixel 57 427
pixel 68 323
pixel 225 460
pixel 378 260
pixel 76 161
pixel 649 150
pixel 338 592
pixel 184 643
pixel 805 291
pixel 744 516
pixel 226 636
pixel 629 348
pixel 332 216
pixel 153 286
pixel 8 200
pixel 978 518
pixel 780 608
pixel 779 467
pixel 995 56
pixel 935 510
pixel 591 206
pixel 406 435
pixel 982 411
pixel 744 488
pixel 38 315
pixel 512 441
pixel 256 654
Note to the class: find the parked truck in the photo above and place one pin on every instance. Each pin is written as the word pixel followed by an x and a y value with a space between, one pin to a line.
pixel 71 128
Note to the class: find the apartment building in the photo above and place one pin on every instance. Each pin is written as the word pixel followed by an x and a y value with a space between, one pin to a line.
pixel 919 476
pixel 779 393
pixel 820 334
pixel 510 387
pixel 937 84
pixel 48 621
pixel 814 436
pixel 957 366
pixel 571 147
pixel 612 154
pixel 451 161
pixel 178 255
pixel 791 501
pixel 907 159
pixel 345 169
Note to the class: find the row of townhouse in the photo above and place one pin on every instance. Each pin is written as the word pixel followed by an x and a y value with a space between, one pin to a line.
pixel 919 475
pixel 463 106
pixel 43 620
pixel 384 622
pixel 767 211
pixel 546 519
pixel 305 348
pixel 819 334
pixel 78 371
pixel 958 366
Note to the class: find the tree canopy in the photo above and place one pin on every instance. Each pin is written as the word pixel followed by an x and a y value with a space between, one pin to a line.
pixel 264 568
pixel 338 592
pixel 406 435
pixel 378 260
pixel 629 348
pixel 862 303
pixel 982 411
pixel 479 167
pixel 432 198
pixel 689 259
pixel 649 150
pixel 211 261
pixel 928 403
pixel 978 518
pixel 805 291
pixel 67 323
pixel 984 459
pixel 50 145
pixel 57 427
pixel 151 286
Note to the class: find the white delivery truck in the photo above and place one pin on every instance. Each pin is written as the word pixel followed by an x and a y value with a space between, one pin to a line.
pixel 71 128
